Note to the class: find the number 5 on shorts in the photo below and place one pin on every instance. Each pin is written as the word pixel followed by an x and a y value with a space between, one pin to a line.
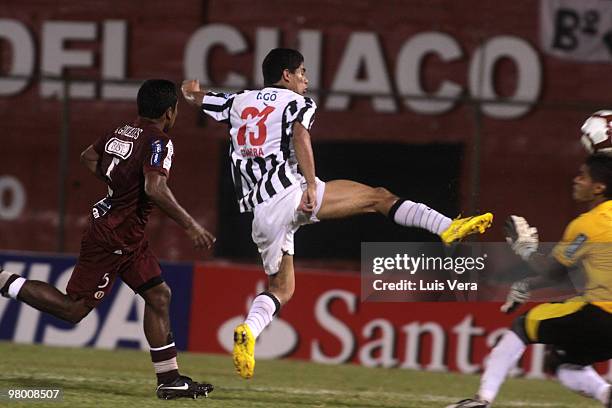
pixel 105 281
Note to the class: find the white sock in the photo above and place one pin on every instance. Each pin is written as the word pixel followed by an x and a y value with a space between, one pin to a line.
pixel 503 357
pixel 411 214
pixel 584 380
pixel 15 287
pixel 261 313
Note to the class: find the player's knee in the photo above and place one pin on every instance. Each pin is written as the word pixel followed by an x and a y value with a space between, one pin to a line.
pixel 518 327
pixel 553 359
pixel 76 317
pixel 75 312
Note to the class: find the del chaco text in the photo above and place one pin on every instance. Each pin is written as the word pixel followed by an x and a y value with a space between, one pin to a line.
pixel 412 264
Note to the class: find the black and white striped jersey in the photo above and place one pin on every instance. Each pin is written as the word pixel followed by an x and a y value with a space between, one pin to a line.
pixel 261 130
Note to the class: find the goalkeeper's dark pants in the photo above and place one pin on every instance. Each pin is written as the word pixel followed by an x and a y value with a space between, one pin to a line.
pixel 580 332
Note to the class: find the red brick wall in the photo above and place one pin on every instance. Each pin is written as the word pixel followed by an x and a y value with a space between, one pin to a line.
pixel 527 163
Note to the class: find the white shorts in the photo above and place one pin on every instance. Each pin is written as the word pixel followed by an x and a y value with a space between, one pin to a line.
pixel 275 222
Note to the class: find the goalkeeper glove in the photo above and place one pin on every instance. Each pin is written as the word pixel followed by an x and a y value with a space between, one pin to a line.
pixel 522 238
pixel 519 294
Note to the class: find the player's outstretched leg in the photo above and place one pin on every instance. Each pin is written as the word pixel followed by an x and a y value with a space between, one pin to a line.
pixel 345 198
pixel 43 297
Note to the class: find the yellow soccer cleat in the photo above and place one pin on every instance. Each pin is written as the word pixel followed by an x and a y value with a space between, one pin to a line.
pixel 244 351
pixel 462 227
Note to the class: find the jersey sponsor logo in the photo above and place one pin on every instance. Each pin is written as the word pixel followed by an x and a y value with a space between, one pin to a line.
pixel 119 148
pixel 101 207
pixel 99 295
pixel 129 131
pixel 576 244
pixel 156 157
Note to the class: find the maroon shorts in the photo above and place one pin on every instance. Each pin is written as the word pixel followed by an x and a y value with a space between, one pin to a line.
pixel 97 268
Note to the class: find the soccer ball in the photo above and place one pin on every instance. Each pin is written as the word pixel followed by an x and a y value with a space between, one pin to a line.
pixel 597 133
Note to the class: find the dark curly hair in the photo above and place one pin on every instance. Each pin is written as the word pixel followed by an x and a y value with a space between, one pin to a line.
pixel 155 96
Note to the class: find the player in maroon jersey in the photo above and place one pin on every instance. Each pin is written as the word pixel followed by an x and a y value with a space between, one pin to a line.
pixel 134 161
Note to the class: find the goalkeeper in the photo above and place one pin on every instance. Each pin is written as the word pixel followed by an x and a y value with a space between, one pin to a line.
pixel 579 330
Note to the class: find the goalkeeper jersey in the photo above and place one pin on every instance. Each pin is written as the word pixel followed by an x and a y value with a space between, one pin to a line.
pixel 588 239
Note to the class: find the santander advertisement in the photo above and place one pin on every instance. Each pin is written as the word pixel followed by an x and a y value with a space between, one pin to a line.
pixel 326 322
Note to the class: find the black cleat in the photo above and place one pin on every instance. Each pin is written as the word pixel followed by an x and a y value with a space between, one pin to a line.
pixel 183 387
pixel 470 403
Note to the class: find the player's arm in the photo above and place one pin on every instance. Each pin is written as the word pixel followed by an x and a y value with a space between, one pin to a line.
pixel 157 189
pixel 90 159
pixel 523 239
pixel 193 94
pixel 549 271
pixel 217 105
pixel 305 158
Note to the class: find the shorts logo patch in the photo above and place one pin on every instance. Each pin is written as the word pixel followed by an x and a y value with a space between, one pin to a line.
pixel 119 148
pixel 576 244
pixel 156 149
pixel 99 294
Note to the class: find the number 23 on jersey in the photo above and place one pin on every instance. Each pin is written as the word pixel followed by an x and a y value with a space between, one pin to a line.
pixel 258 136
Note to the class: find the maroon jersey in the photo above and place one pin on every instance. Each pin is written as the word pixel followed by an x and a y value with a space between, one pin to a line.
pixel 118 221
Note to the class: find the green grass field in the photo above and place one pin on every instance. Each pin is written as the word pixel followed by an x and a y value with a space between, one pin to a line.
pixel 124 378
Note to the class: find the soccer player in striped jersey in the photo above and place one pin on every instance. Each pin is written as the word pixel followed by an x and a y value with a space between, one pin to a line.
pixel 274 177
